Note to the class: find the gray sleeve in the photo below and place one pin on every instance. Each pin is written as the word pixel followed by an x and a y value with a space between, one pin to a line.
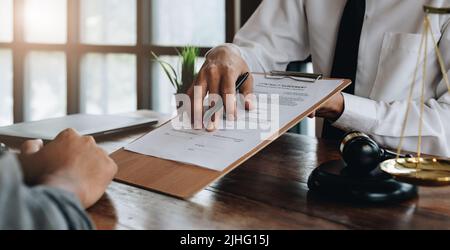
pixel 42 208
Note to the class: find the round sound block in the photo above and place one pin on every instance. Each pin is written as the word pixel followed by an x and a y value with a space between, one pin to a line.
pixel 333 179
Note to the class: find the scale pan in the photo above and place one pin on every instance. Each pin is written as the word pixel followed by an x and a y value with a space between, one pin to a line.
pixel 423 172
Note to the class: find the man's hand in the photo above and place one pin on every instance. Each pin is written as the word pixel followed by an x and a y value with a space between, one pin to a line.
pixel 332 109
pixel 71 162
pixel 218 76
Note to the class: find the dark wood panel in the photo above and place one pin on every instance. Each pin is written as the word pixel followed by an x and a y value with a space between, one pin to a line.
pixel 293 196
pixel 127 207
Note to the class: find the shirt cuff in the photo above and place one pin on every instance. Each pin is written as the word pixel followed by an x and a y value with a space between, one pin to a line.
pixel 359 114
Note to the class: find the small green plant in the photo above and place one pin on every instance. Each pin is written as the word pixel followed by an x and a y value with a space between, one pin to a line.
pixel 181 82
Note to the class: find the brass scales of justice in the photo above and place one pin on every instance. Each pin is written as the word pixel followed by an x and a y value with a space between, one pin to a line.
pixel 422 170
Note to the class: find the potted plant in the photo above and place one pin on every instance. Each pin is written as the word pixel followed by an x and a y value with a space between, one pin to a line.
pixel 181 81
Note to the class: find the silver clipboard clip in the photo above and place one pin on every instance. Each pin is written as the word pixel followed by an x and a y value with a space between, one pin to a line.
pixel 297 76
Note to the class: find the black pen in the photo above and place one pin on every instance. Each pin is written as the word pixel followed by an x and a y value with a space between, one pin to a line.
pixel 241 80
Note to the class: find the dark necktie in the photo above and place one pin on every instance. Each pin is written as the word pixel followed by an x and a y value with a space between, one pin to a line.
pixel 346 54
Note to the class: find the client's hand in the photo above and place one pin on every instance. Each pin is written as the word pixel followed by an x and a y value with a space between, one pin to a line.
pixel 71 162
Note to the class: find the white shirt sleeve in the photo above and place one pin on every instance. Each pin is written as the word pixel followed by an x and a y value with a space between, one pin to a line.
pixel 384 120
pixel 267 41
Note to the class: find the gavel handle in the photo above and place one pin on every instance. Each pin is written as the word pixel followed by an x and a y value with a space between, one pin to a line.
pixel 387 155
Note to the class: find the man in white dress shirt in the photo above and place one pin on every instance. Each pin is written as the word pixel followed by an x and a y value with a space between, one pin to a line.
pixel 373 42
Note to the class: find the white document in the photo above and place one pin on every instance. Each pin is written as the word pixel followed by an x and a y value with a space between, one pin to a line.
pixel 220 149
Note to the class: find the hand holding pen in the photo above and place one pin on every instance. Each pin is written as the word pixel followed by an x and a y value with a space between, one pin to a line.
pixel 208 117
pixel 218 76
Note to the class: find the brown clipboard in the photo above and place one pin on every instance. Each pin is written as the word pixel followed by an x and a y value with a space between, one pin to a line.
pixel 181 180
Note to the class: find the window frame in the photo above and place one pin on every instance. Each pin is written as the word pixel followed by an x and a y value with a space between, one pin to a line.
pixel 75 50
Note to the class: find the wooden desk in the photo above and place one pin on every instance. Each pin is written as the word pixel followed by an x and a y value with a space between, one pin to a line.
pixel 267 192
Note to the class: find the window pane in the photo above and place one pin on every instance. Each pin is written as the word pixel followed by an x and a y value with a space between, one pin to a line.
pixel 193 22
pixel 108 22
pixel 6 20
pixel 6 88
pixel 45 85
pixel 108 83
pixel 163 91
pixel 46 21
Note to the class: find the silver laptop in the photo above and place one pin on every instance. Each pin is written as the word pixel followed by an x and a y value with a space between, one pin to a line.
pixel 94 125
